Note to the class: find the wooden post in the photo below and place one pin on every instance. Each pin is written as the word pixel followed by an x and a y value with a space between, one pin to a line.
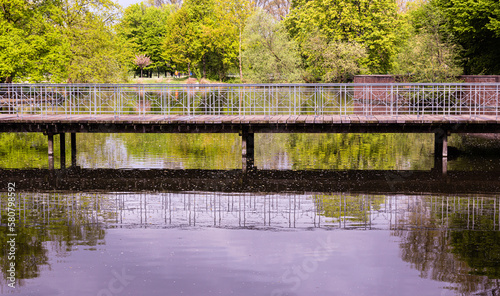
pixel 62 149
pixel 50 138
pixel 73 149
pixel 247 150
pixel 441 152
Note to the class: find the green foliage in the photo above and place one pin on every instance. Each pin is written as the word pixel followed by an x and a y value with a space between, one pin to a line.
pixel 357 209
pixel 429 54
pixel 60 41
pixel 475 26
pixel 359 151
pixel 335 61
pixel 202 38
pixel 29 43
pixel 238 11
pixel 179 43
pixel 480 249
pixel 270 55
pixel 94 52
pixel 144 28
pixel 41 224
pixel 219 36
pixel 23 150
pixel 374 24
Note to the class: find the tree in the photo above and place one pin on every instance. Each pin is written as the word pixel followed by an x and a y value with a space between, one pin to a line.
pixel 374 24
pixel 335 61
pixel 182 41
pixel 29 43
pixel 201 38
pixel 93 51
pixel 160 3
pixel 220 44
pixel 60 41
pixel 239 11
pixel 144 28
pixel 142 61
pixel 475 27
pixel 279 9
pixel 270 55
pixel 429 54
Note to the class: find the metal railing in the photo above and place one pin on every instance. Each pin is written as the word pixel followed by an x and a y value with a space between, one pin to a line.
pixel 250 99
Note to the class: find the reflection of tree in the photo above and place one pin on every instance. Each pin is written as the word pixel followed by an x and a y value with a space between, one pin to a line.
pixel 360 151
pixel 479 246
pixel 30 255
pixel 49 223
pixel 222 151
pixel 460 257
pixel 480 249
pixel 352 209
pixel 19 150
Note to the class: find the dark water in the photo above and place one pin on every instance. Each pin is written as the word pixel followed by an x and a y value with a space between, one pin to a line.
pixel 186 238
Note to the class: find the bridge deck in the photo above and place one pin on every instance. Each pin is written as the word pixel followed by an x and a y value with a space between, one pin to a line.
pixel 352 123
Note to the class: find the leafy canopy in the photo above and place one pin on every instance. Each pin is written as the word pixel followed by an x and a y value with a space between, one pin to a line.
pixel 374 24
pixel 270 55
pixel 475 27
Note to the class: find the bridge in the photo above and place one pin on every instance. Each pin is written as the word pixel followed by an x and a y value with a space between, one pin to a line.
pixel 60 109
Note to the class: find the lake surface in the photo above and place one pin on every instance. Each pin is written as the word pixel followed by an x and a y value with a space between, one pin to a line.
pixel 250 242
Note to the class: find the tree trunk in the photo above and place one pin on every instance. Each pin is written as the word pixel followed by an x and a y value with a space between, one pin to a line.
pixel 204 68
pixel 239 58
pixel 189 68
pixel 141 72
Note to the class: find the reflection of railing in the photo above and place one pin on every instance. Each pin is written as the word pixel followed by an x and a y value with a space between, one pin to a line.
pixel 247 209
pixel 249 99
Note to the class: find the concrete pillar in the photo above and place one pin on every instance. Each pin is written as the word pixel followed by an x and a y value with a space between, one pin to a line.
pixel 62 149
pixel 73 149
pixel 247 150
pixel 50 138
pixel 441 152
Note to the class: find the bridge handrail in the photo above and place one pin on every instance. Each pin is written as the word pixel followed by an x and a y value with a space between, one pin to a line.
pixel 368 99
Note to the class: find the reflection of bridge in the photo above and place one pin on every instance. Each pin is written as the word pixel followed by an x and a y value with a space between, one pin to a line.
pixel 248 109
pixel 367 181
pixel 268 210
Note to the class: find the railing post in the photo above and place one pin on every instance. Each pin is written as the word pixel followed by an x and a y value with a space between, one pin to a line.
pixel 496 105
pixel 293 109
pixel 95 101
pixel 392 101
pixel 16 102
pixel 188 101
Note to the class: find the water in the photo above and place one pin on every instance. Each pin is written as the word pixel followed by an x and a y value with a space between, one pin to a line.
pixel 223 151
pixel 146 239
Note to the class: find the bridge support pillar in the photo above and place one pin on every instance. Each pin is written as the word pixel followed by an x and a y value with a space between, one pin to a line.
pixel 441 152
pixel 73 149
pixel 62 149
pixel 247 150
pixel 50 138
